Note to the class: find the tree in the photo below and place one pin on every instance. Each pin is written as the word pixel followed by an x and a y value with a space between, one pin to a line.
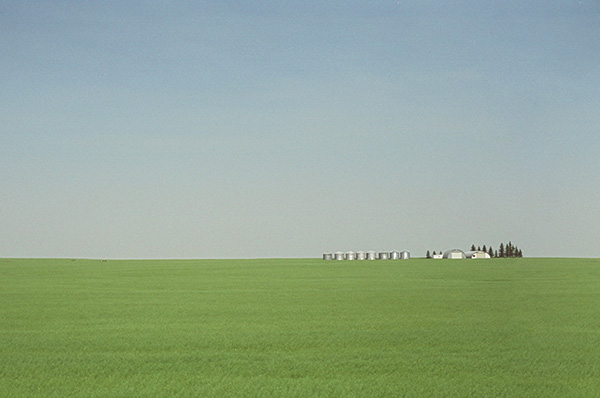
pixel 434 252
pixel 472 248
pixel 478 248
pixel 428 255
pixel 501 250
pixel 484 248
pixel 496 253
pixel 491 252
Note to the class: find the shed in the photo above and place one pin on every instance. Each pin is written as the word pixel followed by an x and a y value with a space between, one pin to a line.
pixel 477 254
pixel 454 254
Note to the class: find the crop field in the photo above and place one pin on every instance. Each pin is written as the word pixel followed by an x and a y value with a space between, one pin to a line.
pixel 300 327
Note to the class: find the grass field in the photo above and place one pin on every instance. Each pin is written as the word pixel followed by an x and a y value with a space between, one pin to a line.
pixel 305 327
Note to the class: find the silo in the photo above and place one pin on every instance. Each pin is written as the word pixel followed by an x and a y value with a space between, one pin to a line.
pixel 350 256
pixel 371 255
pixel 405 255
pixel 361 255
pixel 327 256
pixel 338 256
pixel 384 255
pixel 394 255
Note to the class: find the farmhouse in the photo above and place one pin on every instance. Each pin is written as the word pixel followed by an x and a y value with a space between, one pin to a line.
pixel 454 254
pixel 477 254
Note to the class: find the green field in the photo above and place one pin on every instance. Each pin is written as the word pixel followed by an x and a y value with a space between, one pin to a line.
pixel 300 327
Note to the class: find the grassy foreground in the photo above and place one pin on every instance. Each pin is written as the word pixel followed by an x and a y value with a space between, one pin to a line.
pixel 305 327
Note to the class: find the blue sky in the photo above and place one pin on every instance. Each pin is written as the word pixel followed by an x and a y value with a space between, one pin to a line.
pixel 286 129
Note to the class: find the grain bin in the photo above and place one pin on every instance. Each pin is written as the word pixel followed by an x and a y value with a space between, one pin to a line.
pixel 327 256
pixel 405 255
pixel 338 256
pixel 350 255
pixel 371 255
pixel 384 255
pixel 361 255
pixel 394 255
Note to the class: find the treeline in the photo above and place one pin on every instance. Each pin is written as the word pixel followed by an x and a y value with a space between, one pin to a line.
pixel 503 251
pixel 506 250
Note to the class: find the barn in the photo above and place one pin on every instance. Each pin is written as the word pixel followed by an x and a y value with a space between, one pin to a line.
pixel 454 254
pixel 477 254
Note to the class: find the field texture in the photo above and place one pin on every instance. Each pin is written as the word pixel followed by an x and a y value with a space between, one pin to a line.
pixel 260 328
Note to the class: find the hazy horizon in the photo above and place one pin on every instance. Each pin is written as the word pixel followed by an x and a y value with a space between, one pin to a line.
pixel 268 129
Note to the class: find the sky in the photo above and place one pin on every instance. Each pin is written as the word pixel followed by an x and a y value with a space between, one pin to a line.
pixel 261 129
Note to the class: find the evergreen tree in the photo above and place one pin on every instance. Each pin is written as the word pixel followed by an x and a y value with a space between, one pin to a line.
pixel 484 249
pixel 428 255
pixel 501 250
pixel 478 248
pixel 434 252
pixel 520 253
pixel 472 248
pixel 496 253
pixel 491 252
pixel 509 249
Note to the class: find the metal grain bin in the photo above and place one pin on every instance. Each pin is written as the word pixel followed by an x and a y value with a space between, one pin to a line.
pixel 338 256
pixel 327 256
pixel 394 255
pixel 405 255
pixel 371 255
pixel 361 255
pixel 384 255
pixel 350 256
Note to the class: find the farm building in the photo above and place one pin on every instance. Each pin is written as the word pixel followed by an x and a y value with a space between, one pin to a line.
pixel 350 255
pixel 405 255
pixel 384 255
pixel 394 255
pixel 361 255
pixel 338 256
pixel 327 256
pixel 454 254
pixel 477 254
pixel 438 256
pixel 371 255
